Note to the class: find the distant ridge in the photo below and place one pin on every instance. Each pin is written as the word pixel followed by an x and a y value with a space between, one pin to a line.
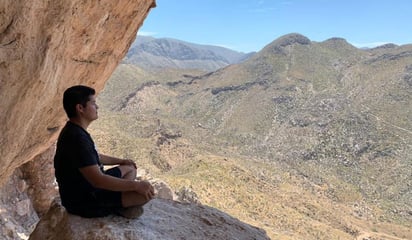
pixel 321 130
pixel 149 53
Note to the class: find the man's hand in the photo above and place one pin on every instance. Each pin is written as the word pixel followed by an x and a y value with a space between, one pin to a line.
pixel 146 189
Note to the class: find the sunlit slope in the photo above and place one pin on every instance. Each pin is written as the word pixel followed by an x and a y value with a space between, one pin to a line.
pixel 306 140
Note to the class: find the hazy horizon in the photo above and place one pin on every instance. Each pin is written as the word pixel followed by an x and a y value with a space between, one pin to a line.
pixel 248 26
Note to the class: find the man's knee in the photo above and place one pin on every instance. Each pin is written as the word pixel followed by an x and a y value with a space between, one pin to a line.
pixel 128 171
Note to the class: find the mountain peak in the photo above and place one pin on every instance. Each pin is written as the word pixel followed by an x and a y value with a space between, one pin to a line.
pixel 338 44
pixel 279 44
pixel 292 38
pixel 336 40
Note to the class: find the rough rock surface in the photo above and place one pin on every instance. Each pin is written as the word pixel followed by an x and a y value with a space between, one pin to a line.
pixel 45 47
pixel 26 196
pixel 17 215
pixel 39 178
pixel 162 219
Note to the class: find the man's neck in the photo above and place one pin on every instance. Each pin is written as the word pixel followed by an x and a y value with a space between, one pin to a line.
pixel 81 122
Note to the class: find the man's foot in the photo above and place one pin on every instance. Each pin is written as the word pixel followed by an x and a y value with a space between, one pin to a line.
pixel 131 212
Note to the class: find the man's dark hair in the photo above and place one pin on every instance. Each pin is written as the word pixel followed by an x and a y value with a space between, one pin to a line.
pixel 76 95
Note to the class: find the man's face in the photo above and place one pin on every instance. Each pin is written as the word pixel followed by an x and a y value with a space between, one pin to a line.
pixel 90 111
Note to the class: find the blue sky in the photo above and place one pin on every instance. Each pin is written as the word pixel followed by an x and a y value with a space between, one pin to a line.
pixel 249 25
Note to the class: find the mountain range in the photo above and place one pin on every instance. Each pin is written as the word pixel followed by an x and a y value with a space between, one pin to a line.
pixel 307 140
pixel 155 53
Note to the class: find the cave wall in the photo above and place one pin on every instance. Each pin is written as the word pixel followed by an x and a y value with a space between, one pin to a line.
pixel 47 46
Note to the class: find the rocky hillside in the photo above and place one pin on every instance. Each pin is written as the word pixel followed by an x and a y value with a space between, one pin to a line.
pixel 149 53
pixel 307 140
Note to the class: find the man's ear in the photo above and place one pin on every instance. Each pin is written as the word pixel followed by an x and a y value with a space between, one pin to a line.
pixel 79 108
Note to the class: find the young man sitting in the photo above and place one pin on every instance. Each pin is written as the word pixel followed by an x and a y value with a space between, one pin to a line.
pixel 85 188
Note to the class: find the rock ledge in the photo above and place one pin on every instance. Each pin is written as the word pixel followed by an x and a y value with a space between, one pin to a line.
pixel 163 219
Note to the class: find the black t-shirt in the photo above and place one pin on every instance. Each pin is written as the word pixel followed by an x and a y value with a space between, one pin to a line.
pixel 75 149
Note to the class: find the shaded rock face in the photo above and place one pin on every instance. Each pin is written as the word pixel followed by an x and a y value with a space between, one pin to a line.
pixel 17 215
pixel 162 219
pixel 45 47
pixel 39 177
pixel 26 196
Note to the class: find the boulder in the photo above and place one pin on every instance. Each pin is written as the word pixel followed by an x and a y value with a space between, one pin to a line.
pixel 162 219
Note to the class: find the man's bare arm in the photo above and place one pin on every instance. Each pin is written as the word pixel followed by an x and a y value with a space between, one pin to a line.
pixel 109 160
pixel 100 180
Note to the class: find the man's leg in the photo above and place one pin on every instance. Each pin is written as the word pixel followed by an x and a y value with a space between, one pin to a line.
pixel 128 172
pixel 132 202
pixel 130 199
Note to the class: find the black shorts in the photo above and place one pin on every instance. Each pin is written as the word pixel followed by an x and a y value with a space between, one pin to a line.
pixel 101 203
